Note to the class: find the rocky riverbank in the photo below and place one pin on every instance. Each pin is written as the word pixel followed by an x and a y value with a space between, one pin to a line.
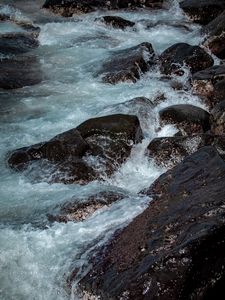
pixel 175 248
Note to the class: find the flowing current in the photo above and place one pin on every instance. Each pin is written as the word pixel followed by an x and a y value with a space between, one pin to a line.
pixel 36 257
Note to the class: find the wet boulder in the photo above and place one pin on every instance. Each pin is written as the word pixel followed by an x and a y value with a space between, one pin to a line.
pixel 218 114
pixel 16 43
pixel 215 32
pixel 175 248
pixel 116 22
pixel 169 151
pixel 80 209
pixel 141 107
pixel 128 64
pixel 189 119
pixel 181 54
pixel 202 11
pixel 20 71
pixel 210 83
pixel 63 147
pixel 110 139
pixel 68 8
pixel 95 148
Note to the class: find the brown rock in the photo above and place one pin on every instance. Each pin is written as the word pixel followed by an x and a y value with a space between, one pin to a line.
pixel 128 64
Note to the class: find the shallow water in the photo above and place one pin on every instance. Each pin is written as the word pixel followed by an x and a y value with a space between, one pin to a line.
pixel 36 257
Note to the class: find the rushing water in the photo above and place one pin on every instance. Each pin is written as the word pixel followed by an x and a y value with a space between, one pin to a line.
pixel 36 257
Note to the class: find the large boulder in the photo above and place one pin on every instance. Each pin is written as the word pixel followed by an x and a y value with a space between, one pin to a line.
pixel 116 22
pixel 169 151
pixel 189 119
pixel 181 54
pixel 68 8
pixel 175 248
pixel 128 64
pixel 210 83
pixel 95 148
pixel 218 114
pixel 80 209
pixel 20 71
pixel 202 11
pixel 215 32
pixel 16 43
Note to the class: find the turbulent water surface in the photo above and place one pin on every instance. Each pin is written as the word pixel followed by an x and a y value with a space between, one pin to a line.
pixel 36 257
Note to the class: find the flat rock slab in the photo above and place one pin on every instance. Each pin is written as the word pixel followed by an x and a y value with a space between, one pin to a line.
pixel 189 119
pixel 128 64
pixel 181 54
pixel 68 8
pixel 19 72
pixel 202 11
pixel 175 248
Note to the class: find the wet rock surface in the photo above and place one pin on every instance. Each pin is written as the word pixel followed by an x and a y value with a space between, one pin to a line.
pixel 16 43
pixel 218 114
pixel 210 83
pixel 169 151
pixel 179 55
pixel 189 119
pixel 128 64
pixel 175 248
pixel 79 210
pixel 20 71
pixel 107 141
pixel 215 32
pixel 202 11
pixel 69 8
pixel 116 22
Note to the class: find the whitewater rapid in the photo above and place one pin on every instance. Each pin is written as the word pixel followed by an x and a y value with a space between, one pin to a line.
pixel 36 257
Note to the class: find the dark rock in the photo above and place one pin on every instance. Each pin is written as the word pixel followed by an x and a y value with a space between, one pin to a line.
pixel 141 107
pixel 210 83
pixel 19 72
pixel 169 151
pixel 218 114
pixel 77 210
pixel 189 119
pixel 215 40
pixel 175 57
pixel 15 43
pixel 68 8
pixel 63 147
pixel 108 140
pixel 116 22
pixel 128 64
pixel 202 11
pixel 175 248
pixel 111 139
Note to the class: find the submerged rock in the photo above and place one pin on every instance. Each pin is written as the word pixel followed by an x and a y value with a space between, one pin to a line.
pixel 175 248
pixel 128 64
pixel 189 119
pixel 202 11
pixel 215 40
pixel 96 147
pixel 20 71
pixel 77 210
pixel 116 22
pixel 16 43
pixel 181 54
pixel 68 8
